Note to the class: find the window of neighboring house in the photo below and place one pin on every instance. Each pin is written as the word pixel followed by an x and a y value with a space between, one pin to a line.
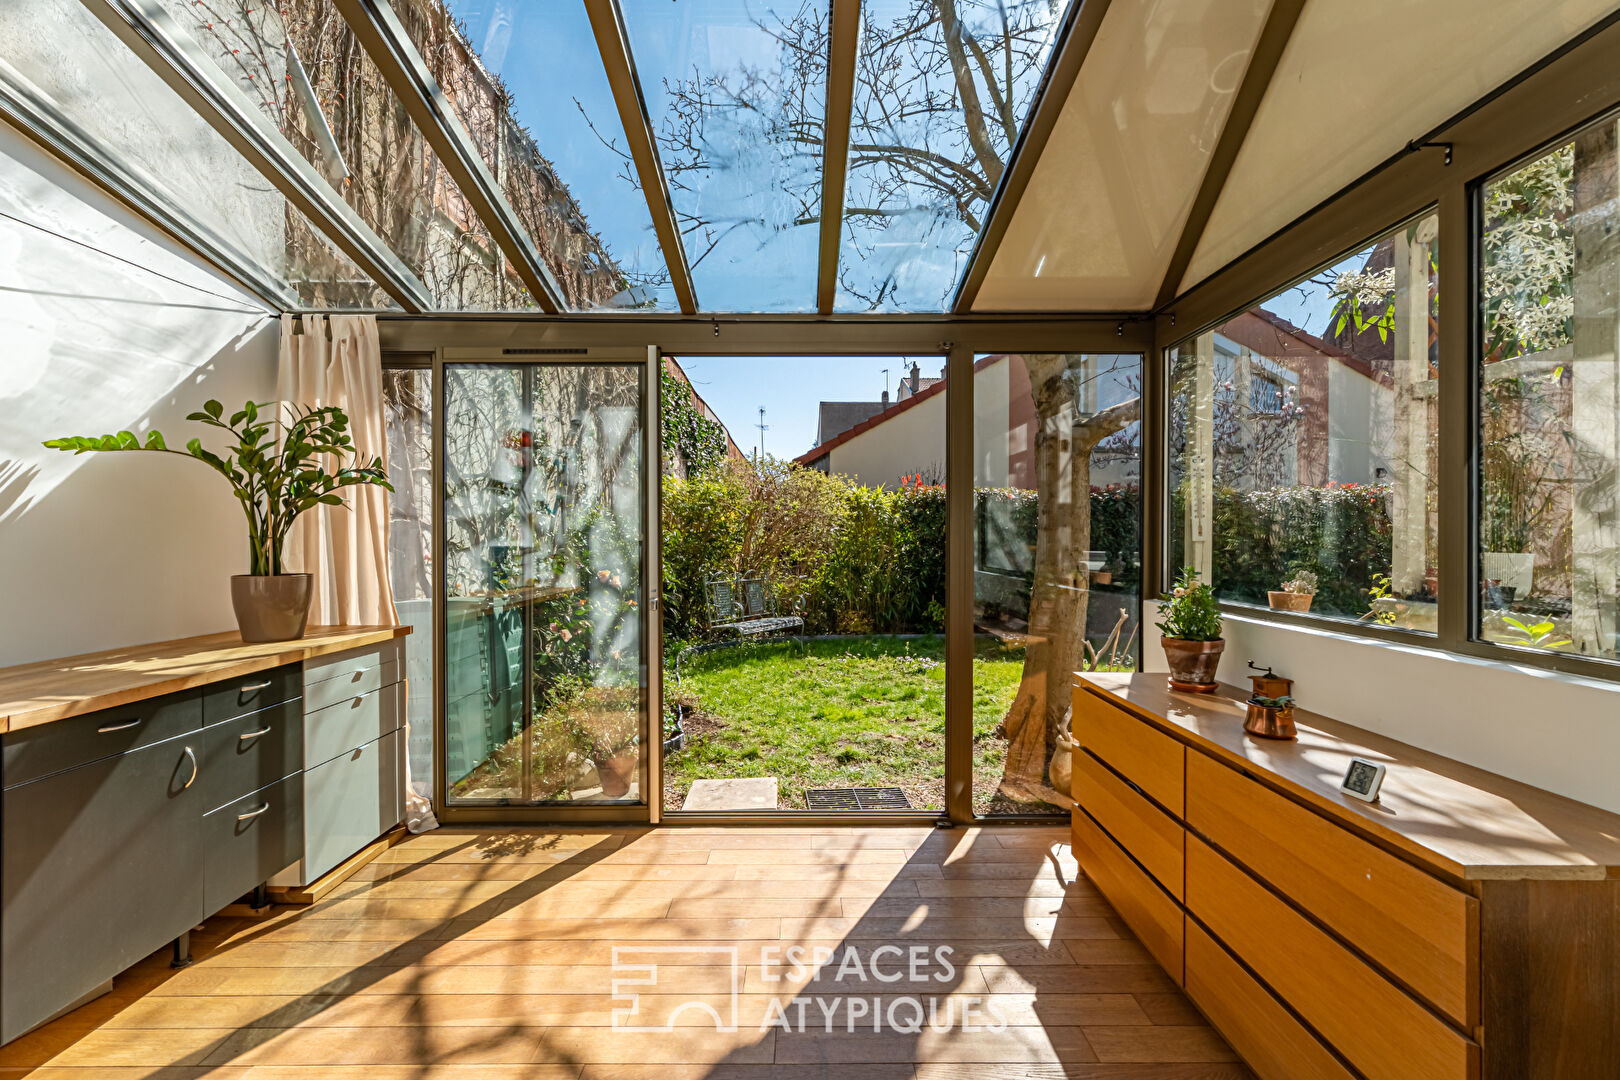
pixel 1302 441
pixel 1549 401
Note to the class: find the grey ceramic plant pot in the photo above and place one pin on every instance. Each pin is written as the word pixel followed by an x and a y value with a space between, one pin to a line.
pixel 271 608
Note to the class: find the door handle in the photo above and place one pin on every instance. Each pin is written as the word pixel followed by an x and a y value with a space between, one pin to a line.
pixel 108 729
pixel 246 735
pixel 193 778
pixel 248 688
pixel 253 813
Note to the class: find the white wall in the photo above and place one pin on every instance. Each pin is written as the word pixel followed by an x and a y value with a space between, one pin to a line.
pixel 104 325
pixel 906 442
pixel 1558 732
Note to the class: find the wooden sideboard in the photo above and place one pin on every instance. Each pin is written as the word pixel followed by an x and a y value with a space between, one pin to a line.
pixel 1463 927
pixel 144 789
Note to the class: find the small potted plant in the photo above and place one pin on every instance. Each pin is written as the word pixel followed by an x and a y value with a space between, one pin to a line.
pixel 1191 629
pixel 277 471
pixel 1296 592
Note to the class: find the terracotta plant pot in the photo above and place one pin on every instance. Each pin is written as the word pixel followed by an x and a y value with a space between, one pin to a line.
pixel 274 607
pixel 616 773
pixel 1290 601
pixel 1192 663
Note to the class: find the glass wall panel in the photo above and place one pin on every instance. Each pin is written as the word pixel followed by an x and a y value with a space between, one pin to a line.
pixel 941 91
pixel 408 427
pixel 58 56
pixel 299 62
pixel 1549 401
pixel 543 608
pixel 1303 442
pixel 1057 558
pixel 803 546
pixel 527 82
pixel 737 93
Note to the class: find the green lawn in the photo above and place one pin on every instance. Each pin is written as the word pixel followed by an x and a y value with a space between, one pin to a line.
pixel 861 712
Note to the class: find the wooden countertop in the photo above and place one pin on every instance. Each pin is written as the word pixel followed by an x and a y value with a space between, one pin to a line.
pixel 1463 821
pixel 39 693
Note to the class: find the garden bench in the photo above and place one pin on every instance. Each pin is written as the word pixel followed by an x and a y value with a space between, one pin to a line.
pixel 752 613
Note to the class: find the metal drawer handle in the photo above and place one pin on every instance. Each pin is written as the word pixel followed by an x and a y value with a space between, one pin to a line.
pixel 245 736
pixel 250 687
pixel 125 726
pixel 193 778
pixel 253 813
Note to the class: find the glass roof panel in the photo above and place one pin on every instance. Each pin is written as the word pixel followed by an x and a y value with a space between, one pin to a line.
pixel 737 94
pixel 299 62
pixel 1333 112
pixel 527 83
pixel 938 106
pixel 1108 199
pixel 62 60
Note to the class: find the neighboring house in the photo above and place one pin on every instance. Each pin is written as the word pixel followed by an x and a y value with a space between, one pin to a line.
pixel 733 451
pixel 907 437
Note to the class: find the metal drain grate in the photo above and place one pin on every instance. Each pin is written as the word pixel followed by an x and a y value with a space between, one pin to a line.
pixel 856 798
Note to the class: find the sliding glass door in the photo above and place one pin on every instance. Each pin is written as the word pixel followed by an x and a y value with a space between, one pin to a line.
pixel 542 613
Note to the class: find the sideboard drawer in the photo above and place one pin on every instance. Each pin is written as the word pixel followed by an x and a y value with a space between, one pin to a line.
pixel 1155 838
pixel 245 754
pixel 248 841
pixel 1265 1035
pixel 1383 1032
pixel 345 664
pixel 250 693
pixel 350 801
pixel 349 685
pixel 38 751
pixel 1146 908
pixel 1145 756
pixel 353 722
pixel 1418 929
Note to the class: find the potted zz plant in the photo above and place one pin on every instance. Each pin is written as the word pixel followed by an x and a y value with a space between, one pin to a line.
pixel 1296 592
pixel 275 480
pixel 1191 630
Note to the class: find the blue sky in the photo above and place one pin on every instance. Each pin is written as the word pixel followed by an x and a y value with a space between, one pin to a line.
pixel 790 389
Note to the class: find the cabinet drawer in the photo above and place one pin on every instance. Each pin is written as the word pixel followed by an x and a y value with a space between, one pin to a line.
pixel 48 748
pixel 245 754
pixel 345 665
pixel 329 692
pixel 1145 907
pixel 250 693
pixel 1421 931
pixel 249 840
pixel 101 868
pixel 1145 756
pixel 1265 1035
pixel 350 801
pixel 1383 1032
pixel 352 722
pixel 1148 833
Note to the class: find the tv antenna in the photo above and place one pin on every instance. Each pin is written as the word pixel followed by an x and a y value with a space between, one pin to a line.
pixel 763 427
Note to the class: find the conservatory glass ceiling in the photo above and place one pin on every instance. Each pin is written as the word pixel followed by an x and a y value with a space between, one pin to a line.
pixel 831 156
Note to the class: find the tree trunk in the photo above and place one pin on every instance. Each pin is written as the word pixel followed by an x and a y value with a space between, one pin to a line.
pixel 1061 587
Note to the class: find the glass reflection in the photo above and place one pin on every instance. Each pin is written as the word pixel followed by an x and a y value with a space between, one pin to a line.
pixel 527 82
pixel 542 613
pixel 299 62
pixel 941 91
pixel 58 56
pixel 736 90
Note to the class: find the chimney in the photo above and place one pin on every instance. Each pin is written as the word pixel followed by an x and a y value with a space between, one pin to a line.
pixel 885 399
pixel 916 377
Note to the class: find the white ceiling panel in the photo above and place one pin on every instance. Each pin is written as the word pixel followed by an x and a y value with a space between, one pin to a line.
pixel 1358 81
pixel 1101 215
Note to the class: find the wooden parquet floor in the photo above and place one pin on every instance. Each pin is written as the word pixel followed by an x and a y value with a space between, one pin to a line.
pixel 489 955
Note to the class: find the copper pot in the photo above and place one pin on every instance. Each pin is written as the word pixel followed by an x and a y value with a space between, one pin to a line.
pixel 1270 723
pixel 1192 663
pixel 1289 601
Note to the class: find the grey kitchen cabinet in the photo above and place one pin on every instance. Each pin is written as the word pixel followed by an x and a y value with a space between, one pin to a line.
pixel 102 864
pixel 248 841
pixel 350 801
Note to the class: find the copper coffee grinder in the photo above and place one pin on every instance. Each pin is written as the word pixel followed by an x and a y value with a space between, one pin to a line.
pixel 1271 706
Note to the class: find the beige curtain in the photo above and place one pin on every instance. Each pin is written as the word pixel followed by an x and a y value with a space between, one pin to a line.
pixel 336 361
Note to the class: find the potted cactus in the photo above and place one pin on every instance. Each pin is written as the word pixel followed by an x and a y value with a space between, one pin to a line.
pixel 1296 592
pixel 1191 629
pixel 277 470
